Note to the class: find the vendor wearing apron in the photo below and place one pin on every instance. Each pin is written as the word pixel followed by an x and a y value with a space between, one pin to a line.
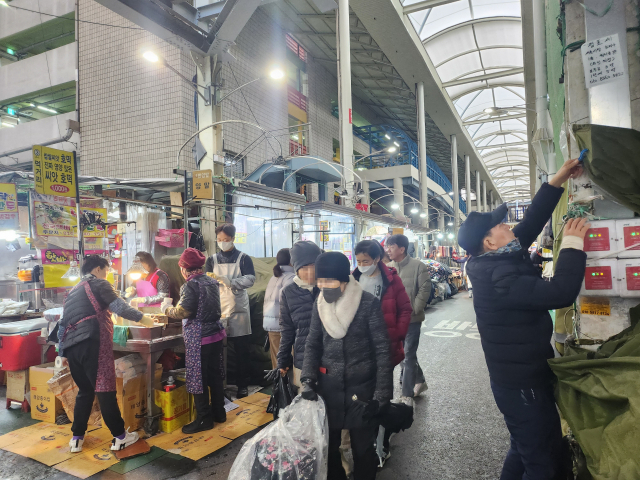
pixel 86 340
pixel 199 310
pixel 154 288
pixel 235 273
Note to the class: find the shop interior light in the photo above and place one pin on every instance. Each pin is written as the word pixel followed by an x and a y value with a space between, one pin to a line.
pixel 8 235
pixel 137 270
pixel 151 56
pixel 423 215
pixel 391 149
pixel 46 109
pixel 74 271
pixel 395 206
pixel 276 72
pixel 440 235
pixel 450 236
pixel 450 224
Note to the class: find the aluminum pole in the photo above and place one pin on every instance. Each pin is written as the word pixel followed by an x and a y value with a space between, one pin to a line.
pixel 484 195
pixel 343 41
pixel 478 209
pixel 467 182
pixel 422 154
pixel 456 189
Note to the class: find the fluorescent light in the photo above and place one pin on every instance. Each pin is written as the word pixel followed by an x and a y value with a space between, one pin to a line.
pixel 489 110
pixel 391 149
pixel 4 3
pixel 450 224
pixel 395 206
pixel 440 235
pixel 423 215
pixel 8 124
pixel 276 73
pixel 8 235
pixel 150 56
pixel 450 235
pixel 387 136
pixel 46 109
pixel 32 104
pixel 414 210
pixel 396 144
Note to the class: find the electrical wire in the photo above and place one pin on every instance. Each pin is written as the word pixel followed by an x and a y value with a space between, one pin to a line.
pixel 73 19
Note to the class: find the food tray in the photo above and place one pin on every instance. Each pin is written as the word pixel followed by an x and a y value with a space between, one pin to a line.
pixel 145 333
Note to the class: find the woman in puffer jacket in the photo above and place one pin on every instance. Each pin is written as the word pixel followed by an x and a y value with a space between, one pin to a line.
pixel 283 275
pixel 347 362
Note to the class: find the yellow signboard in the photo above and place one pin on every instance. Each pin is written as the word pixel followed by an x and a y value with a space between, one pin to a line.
pixel 54 172
pixel 202 184
pixel 57 218
pixel 595 306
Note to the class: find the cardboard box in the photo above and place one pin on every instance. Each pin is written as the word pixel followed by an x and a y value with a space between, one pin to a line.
pixel 44 404
pixel 175 408
pixel 132 398
pixel 17 385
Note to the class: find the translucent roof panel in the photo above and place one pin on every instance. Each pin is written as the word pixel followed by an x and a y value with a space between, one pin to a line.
pixel 476 47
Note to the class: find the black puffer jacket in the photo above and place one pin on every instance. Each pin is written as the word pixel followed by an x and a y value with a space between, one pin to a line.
pixel 190 296
pixel 77 306
pixel 296 307
pixel 356 367
pixel 512 301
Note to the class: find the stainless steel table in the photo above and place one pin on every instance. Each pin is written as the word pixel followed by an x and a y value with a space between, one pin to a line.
pixel 150 350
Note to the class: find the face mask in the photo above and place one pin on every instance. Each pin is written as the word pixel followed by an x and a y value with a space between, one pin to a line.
pixel 368 270
pixel 332 294
pixel 225 246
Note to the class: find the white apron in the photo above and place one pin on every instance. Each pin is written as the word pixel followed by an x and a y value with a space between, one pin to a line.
pixel 234 303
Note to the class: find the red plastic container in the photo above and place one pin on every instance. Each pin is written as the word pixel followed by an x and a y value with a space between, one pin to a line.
pixel 19 347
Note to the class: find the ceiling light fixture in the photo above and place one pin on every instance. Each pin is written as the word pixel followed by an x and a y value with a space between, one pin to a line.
pixel 423 215
pixel 391 149
pixel 386 135
pixel 73 273
pixel 276 73
pixel 46 109
pixel 395 206
pixel 151 56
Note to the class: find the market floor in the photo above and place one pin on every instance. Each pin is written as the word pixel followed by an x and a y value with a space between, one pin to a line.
pixel 458 433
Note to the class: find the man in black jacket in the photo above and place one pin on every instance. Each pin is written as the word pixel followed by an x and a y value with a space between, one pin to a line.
pixel 512 304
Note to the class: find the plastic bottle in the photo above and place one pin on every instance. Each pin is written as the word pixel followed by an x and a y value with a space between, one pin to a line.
pixel 170 385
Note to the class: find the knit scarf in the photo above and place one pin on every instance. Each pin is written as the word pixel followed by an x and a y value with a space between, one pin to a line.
pixel 336 317
pixel 512 246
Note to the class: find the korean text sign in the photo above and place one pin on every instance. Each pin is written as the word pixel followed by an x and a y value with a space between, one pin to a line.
pixel 54 172
pixel 8 206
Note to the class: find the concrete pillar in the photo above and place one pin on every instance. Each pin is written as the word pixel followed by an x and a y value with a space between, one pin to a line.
pixel 366 197
pixel 478 209
pixel 493 203
pixel 398 197
pixel 441 222
pixel 343 42
pixel 454 182
pixel 422 154
pixel 484 196
pixel 211 140
pixel 467 181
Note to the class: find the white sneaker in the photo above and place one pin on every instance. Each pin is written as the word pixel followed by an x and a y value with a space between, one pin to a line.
pixel 75 446
pixel 419 388
pixel 129 439
pixel 407 401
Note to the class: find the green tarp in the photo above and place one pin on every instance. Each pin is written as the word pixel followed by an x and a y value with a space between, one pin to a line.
pixel 598 394
pixel 613 161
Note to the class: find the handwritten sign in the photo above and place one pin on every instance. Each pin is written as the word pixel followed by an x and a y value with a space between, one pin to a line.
pixel 602 60
pixel 8 207
pixel 202 186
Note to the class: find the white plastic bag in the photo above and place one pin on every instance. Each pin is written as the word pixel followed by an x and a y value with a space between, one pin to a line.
pixel 294 447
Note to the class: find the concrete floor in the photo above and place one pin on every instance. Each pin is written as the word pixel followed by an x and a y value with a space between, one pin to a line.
pixel 458 433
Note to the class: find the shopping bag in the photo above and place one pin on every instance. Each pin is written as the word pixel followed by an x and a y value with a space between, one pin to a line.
pixel 281 396
pixel 294 447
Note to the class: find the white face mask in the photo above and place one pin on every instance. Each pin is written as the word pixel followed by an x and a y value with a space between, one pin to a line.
pixel 225 246
pixel 368 270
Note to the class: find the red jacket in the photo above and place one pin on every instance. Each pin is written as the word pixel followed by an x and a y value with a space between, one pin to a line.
pixel 396 308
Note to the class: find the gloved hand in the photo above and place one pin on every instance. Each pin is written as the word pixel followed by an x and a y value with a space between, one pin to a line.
pixel 147 321
pixel 370 410
pixel 166 304
pixel 308 391
pixel 129 292
pixel 271 375
pixel 224 280
pixel 135 301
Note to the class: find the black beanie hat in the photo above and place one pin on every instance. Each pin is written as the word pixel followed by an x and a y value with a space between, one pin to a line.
pixel 333 265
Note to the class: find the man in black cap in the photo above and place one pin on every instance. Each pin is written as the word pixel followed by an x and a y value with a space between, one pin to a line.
pixel 512 306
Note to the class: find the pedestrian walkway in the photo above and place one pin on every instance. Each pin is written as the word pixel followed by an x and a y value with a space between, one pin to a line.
pixel 458 432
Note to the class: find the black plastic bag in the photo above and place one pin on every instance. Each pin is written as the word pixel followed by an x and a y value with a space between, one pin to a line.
pixel 281 397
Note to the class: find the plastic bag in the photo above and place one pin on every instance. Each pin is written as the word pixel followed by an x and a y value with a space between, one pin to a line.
pixel 294 447
pixel 281 397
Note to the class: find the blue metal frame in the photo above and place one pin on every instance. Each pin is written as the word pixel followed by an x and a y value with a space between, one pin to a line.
pixel 407 153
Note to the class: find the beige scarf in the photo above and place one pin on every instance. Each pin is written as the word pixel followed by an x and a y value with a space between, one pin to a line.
pixel 336 324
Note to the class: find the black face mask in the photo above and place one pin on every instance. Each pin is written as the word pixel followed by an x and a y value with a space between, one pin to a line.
pixel 332 294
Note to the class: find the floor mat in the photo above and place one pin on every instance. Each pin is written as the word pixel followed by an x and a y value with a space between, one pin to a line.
pixel 193 446
pixel 34 433
pixel 255 415
pixel 259 399
pixel 89 462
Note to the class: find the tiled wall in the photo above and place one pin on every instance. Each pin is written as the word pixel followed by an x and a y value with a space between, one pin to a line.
pixel 134 115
